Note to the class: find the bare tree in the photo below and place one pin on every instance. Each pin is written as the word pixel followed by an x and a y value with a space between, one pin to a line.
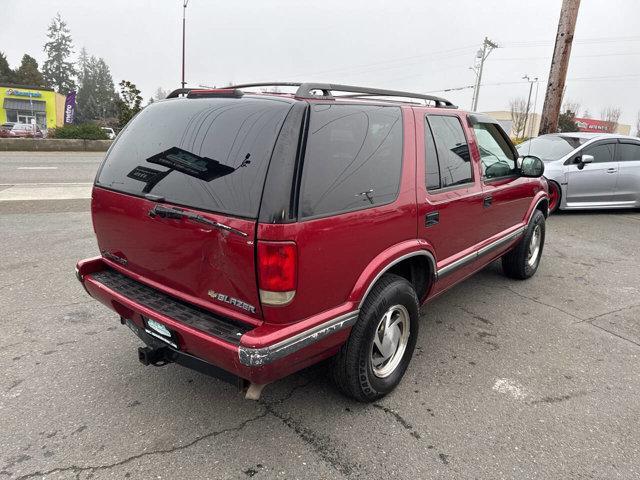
pixel 586 113
pixel 160 94
pixel 610 115
pixel 638 125
pixel 571 106
pixel 518 109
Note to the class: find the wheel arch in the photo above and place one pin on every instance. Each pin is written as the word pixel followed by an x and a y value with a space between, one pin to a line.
pixel 416 264
pixel 541 202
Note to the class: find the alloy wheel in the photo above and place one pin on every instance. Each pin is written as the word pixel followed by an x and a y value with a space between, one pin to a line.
pixel 390 341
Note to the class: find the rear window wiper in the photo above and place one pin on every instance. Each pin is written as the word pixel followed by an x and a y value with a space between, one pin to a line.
pixel 169 212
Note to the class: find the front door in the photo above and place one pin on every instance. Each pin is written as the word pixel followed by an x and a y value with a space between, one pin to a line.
pixel 506 194
pixel 449 191
pixel 593 184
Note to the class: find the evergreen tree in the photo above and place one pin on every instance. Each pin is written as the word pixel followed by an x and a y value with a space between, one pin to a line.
pixel 97 98
pixel 28 73
pixel 83 63
pixel 6 74
pixel 129 102
pixel 58 70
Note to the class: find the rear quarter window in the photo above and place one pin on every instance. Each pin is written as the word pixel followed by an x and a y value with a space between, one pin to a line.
pixel 353 158
pixel 210 154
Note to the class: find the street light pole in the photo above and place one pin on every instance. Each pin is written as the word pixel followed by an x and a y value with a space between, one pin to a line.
pixel 184 22
pixel 526 116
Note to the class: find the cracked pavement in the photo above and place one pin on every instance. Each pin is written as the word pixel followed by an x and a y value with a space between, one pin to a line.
pixel 534 379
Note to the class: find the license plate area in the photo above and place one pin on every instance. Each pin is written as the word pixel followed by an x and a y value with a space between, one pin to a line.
pixel 160 331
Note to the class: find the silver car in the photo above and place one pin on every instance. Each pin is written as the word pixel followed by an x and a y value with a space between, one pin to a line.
pixel 588 170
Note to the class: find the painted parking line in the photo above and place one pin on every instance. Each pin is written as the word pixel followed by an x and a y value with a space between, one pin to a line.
pixel 45 191
pixel 37 168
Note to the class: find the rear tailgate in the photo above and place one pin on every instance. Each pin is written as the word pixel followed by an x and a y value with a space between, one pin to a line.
pixel 188 257
pixel 208 158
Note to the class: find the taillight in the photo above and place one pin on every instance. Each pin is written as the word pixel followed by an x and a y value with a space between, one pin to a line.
pixel 277 272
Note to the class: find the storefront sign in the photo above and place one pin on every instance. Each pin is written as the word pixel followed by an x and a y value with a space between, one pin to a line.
pixel 20 93
pixel 591 125
pixel 70 108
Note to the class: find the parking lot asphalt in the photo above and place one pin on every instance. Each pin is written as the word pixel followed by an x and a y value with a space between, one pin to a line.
pixel 510 379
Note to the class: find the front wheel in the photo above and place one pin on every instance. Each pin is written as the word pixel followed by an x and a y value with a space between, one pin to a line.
pixel 381 344
pixel 522 262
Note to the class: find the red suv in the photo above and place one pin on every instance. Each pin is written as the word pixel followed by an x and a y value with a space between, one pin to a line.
pixel 250 235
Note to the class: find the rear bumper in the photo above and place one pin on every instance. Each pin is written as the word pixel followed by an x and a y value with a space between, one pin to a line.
pixel 259 354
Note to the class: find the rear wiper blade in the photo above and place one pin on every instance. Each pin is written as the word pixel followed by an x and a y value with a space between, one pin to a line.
pixel 168 212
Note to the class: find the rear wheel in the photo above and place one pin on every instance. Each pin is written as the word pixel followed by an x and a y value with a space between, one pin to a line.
pixel 555 195
pixel 522 262
pixel 381 344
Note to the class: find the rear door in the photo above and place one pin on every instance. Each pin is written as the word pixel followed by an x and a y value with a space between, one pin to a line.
pixel 209 158
pixel 593 184
pixel 448 188
pixel 628 186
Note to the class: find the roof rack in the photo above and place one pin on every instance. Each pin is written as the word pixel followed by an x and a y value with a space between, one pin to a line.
pixel 305 90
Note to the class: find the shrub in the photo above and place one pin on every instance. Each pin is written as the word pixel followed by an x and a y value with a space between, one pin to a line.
pixel 83 131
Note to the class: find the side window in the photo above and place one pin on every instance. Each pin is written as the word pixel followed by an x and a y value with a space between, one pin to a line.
pixel 432 167
pixel 628 152
pixel 496 155
pixel 601 153
pixel 453 152
pixel 353 158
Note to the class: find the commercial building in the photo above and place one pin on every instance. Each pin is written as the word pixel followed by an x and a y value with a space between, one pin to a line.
pixel 533 124
pixel 22 104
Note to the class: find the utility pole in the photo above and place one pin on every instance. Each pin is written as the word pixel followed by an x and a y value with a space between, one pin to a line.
pixel 481 56
pixel 559 66
pixel 526 116
pixel 184 22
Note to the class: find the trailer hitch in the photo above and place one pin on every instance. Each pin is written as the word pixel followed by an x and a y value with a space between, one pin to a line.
pixel 158 357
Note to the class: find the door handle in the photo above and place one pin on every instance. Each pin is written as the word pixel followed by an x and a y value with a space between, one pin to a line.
pixel 612 170
pixel 487 201
pixel 432 219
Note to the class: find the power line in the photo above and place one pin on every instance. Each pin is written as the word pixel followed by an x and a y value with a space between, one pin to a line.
pixel 437 54
pixel 522 82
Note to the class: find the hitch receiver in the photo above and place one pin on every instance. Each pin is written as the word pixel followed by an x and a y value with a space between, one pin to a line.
pixel 153 356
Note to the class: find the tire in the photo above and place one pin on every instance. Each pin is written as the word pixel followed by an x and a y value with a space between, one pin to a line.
pixel 360 369
pixel 555 196
pixel 522 262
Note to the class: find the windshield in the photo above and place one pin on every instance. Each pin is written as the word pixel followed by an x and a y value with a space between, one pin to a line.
pixel 550 147
pixel 209 153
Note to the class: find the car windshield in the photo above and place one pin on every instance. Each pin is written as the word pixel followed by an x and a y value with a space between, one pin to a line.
pixel 550 147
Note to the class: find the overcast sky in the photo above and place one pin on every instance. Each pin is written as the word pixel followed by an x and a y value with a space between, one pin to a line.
pixel 417 45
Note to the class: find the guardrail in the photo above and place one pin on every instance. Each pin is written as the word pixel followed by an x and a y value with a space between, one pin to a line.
pixel 53 145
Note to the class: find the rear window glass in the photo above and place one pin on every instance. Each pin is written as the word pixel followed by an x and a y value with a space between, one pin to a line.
pixel 210 154
pixel 453 152
pixel 628 152
pixel 550 147
pixel 353 158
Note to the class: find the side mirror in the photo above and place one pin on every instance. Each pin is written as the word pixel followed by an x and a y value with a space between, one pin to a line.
pixel 531 166
pixel 582 160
